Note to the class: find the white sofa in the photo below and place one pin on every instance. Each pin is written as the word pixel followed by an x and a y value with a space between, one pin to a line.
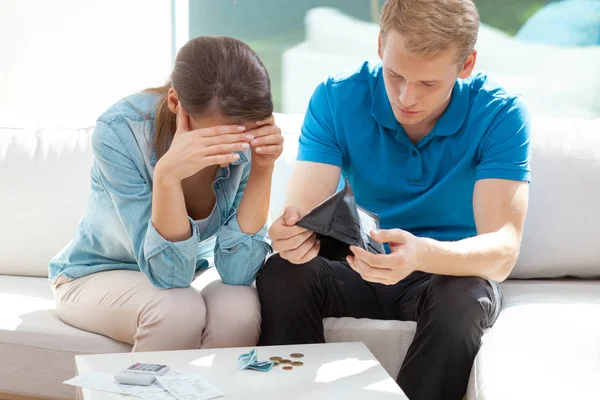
pixel 336 41
pixel 545 344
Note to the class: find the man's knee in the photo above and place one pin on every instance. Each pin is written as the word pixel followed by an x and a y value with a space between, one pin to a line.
pixel 233 316
pixel 280 279
pixel 461 303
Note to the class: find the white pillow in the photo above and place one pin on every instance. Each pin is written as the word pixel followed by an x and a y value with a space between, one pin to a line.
pixel 45 181
pixel 562 229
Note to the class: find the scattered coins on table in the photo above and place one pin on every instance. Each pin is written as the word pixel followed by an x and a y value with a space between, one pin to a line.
pixel 288 364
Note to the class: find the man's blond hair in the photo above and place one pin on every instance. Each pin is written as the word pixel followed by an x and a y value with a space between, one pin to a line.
pixel 431 26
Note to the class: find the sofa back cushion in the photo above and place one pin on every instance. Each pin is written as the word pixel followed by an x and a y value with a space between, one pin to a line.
pixel 562 230
pixel 44 175
pixel 45 180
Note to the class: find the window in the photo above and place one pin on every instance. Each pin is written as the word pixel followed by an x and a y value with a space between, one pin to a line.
pixel 536 47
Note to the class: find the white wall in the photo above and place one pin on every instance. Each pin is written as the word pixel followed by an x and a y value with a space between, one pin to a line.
pixel 76 57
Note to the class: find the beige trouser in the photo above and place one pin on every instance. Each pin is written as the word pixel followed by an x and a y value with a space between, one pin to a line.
pixel 124 306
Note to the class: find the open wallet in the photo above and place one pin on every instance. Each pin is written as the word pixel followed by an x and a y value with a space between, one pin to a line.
pixel 339 223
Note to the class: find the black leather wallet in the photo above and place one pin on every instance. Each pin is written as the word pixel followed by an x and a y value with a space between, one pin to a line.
pixel 339 223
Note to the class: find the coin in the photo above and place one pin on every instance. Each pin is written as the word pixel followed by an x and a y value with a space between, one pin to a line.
pixel 277 359
pixel 286 361
pixel 297 363
pixel 288 368
pixel 296 355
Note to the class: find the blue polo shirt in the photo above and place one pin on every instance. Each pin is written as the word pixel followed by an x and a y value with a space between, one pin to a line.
pixel 425 188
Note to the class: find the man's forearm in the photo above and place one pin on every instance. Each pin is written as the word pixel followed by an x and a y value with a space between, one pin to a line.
pixel 254 208
pixel 488 256
pixel 310 184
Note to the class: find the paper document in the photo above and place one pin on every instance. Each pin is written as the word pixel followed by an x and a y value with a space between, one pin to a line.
pixel 185 386
pixel 174 385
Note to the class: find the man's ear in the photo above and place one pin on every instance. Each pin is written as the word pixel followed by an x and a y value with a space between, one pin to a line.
pixel 173 101
pixel 468 66
pixel 380 46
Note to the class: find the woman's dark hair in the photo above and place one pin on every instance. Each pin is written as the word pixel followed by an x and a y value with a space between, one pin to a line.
pixel 214 75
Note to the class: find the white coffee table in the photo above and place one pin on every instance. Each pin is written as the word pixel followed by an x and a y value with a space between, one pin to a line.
pixel 330 371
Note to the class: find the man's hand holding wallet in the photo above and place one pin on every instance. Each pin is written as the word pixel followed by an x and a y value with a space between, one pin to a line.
pixel 293 243
pixel 340 230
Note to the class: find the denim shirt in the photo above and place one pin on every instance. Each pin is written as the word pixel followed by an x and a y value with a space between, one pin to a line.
pixel 116 231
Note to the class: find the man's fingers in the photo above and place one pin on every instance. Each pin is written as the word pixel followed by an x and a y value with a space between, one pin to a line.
pixel 382 261
pixel 397 236
pixel 293 242
pixel 291 215
pixel 299 252
pixel 280 231
pixel 369 273
pixel 311 254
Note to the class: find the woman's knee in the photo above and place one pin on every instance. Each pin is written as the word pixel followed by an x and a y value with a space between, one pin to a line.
pixel 233 316
pixel 174 320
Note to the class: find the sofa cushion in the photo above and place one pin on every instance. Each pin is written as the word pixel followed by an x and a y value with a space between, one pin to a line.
pixel 45 180
pixel 544 345
pixel 387 340
pixel 36 346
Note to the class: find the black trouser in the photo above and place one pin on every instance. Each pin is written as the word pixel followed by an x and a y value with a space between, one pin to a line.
pixel 451 313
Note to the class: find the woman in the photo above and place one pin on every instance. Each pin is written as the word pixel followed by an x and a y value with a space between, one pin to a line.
pixel 172 186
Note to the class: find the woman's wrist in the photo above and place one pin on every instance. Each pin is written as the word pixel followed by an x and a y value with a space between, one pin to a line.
pixel 262 170
pixel 163 178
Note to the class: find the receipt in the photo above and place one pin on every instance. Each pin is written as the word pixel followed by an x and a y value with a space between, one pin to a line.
pixel 97 381
pixel 184 386
pixel 174 385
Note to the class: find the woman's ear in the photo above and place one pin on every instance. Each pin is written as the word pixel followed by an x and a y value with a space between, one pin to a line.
pixel 173 101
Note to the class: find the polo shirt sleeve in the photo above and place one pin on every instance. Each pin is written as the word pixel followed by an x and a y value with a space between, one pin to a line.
pixel 318 142
pixel 504 151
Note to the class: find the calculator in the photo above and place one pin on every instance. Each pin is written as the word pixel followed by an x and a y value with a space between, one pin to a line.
pixel 141 374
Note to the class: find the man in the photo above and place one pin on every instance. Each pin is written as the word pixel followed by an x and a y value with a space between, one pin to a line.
pixel 443 158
